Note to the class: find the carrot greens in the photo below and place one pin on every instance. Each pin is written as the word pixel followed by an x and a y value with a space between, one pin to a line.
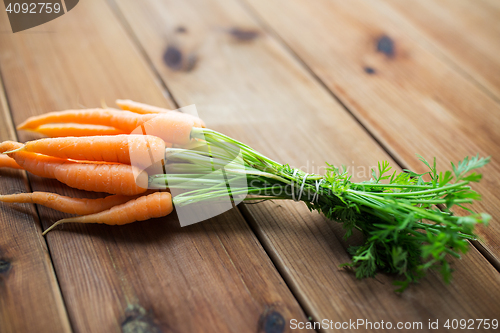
pixel 407 222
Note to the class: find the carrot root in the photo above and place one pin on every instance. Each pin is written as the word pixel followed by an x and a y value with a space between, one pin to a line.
pixel 78 206
pixel 109 178
pixel 125 121
pixel 139 149
pixel 69 129
pixel 158 204
pixel 88 116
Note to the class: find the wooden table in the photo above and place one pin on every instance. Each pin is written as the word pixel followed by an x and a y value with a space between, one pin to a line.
pixel 304 82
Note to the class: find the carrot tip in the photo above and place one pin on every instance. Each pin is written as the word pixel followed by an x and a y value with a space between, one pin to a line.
pixel 13 151
pixel 54 225
pixel 67 220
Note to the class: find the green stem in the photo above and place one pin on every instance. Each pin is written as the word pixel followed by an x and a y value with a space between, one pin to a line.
pixel 392 185
pixel 434 190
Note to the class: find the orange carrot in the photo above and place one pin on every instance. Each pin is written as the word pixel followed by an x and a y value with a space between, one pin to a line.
pixel 174 127
pixel 78 206
pixel 103 117
pixel 63 130
pixel 136 107
pixel 8 162
pixel 37 164
pixel 154 205
pixel 109 178
pixel 9 145
pixel 115 149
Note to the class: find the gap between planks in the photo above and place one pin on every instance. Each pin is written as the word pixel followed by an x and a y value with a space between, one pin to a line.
pixel 133 37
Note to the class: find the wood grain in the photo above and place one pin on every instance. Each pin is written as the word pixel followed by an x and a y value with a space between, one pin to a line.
pixel 466 32
pixel 152 276
pixel 252 89
pixel 411 101
pixel 27 277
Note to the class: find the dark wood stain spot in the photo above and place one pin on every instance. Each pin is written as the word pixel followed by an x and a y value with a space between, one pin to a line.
pixel 272 322
pixel 181 29
pixel 173 58
pixel 369 70
pixel 137 321
pixel 177 61
pixel 4 266
pixel 385 45
pixel 243 34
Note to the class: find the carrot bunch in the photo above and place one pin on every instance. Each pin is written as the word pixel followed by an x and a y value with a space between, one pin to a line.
pixel 100 150
pixel 107 150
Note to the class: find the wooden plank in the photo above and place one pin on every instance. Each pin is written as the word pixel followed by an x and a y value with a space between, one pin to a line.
pixel 152 276
pixel 412 101
pixel 27 277
pixel 467 32
pixel 245 84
